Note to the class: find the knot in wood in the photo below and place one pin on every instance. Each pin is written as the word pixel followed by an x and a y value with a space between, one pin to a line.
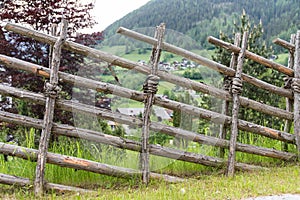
pixel 227 83
pixel 296 85
pixel 287 82
pixel 150 84
pixel 237 86
pixel 51 90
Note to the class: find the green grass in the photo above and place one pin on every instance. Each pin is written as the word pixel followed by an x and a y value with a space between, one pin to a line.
pixel 135 55
pixel 202 182
pixel 116 50
pixel 277 180
pixel 282 59
pixel 163 85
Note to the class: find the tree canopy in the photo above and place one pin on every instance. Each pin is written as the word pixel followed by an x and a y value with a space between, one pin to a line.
pixel 257 46
pixel 202 18
pixel 41 15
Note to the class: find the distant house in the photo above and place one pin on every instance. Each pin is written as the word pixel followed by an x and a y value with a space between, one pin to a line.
pixel 134 112
pixel 160 113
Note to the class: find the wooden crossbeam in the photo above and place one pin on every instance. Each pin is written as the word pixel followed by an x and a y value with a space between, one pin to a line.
pixel 124 119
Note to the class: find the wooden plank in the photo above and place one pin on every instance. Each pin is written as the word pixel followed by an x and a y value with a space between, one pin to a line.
pixel 123 143
pixel 205 114
pixel 150 91
pixel 49 112
pixel 236 91
pixel 20 181
pixel 226 86
pixel 259 59
pixel 296 88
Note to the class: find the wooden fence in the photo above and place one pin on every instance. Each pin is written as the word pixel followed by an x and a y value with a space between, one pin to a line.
pixel 50 100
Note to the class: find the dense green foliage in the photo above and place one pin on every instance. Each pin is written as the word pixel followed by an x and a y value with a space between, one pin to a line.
pixel 201 18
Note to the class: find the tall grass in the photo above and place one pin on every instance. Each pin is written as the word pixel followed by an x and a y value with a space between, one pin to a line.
pixel 214 186
pixel 124 158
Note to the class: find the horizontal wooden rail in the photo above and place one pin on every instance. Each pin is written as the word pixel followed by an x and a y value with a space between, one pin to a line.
pixel 123 143
pixel 115 60
pixel 264 61
pixel 287 45
pixel 157 150
pixel 138 96
pixel 79 163
pixel 20 181
pixel 124 119
pixel 209 115
pixel 206 62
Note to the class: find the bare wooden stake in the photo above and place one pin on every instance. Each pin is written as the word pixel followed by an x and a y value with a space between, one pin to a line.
pixel 150 87
pixel 236 91
pixel 288 101
pixel 226 85
pixel 51 89
pixel 296 88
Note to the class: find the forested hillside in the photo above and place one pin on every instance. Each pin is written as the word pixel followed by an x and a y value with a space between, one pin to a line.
pixel 201 18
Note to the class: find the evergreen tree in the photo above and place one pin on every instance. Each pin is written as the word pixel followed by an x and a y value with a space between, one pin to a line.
pixel 257 46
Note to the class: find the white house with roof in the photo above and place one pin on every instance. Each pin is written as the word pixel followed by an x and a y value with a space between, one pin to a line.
pixel 159 112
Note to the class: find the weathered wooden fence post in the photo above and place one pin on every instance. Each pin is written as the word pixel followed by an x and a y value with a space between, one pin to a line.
pixel 150 89
pixel 287 85
pixel 51 91
pixel 296 88
pixel 236 91
pixel 226 86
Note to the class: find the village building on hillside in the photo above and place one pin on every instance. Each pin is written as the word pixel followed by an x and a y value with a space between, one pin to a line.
pixel 160 113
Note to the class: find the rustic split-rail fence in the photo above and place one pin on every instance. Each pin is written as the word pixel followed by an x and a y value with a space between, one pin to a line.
pixel 51 101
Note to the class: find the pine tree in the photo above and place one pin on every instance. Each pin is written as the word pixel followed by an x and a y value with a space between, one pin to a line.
pixel 257 46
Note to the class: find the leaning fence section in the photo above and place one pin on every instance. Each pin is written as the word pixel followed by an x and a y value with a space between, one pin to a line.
pixel 230 94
